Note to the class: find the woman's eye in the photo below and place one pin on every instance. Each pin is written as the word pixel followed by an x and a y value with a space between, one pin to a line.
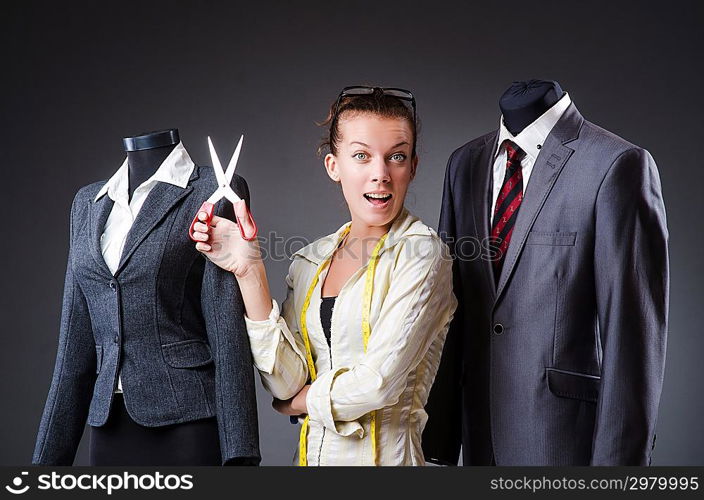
pixel 398 157
pixel 360 156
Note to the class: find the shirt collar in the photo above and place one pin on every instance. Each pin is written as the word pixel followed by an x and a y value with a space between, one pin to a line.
pixel 531 138
pixel 404 225
pixel 176 169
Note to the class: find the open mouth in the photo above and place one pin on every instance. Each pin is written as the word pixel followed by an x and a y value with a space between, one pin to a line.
pixel 378 199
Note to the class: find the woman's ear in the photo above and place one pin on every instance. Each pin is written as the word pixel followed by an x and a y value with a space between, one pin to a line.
pixel 414 166
pixel 331 167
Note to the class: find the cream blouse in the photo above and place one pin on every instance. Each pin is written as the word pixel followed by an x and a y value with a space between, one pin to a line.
pixel 411 309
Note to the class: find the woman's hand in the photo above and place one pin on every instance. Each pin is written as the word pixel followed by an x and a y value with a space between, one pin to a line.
pixel 294 406
pixel 223 244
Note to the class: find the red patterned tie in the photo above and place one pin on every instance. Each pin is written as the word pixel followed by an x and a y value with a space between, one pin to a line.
pixel 507 204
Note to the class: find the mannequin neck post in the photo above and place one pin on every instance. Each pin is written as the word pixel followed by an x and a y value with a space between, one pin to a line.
pixel 146 152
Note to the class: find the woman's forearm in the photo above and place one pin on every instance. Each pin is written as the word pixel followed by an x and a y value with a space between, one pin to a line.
pixel 277 351
pixel 256 296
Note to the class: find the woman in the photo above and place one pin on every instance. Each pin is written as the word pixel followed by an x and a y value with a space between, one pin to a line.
pixel 357 375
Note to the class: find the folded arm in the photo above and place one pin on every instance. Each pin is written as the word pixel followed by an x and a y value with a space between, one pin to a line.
pixel 415 311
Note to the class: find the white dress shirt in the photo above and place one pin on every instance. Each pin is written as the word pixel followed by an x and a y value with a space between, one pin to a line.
pixel 412 305
pixel 530 140
pixel 175 169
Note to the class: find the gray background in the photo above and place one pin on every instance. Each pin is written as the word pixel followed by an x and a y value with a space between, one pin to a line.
pixel 79 77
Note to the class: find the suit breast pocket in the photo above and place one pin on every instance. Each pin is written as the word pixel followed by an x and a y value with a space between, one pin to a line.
pixel 556 238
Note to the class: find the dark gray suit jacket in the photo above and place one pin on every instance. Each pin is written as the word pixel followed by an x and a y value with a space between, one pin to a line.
pixel 561 362
pixel 170 319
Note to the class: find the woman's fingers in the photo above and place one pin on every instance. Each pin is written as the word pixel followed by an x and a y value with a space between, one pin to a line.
pixel 199 226
pixel 225 246
pixel 203 247
pixel 240 212
pixel 217 220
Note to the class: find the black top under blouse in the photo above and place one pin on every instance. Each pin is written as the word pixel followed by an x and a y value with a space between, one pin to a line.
pixel 326 306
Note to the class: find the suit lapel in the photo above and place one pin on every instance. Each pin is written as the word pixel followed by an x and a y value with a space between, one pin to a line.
pixel 481 187
pixel 160 200
pixel 550 162
pixel 99 212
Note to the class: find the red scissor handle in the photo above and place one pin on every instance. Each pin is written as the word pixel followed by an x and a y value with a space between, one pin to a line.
pixel 251 221
pixel 208 209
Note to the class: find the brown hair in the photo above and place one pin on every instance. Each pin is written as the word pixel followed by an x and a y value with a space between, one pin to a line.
pixel 376 103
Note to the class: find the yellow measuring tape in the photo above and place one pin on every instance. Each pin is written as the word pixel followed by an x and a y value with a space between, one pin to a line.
pixel 366 332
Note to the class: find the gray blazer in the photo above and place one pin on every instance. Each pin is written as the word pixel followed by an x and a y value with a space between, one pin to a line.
pixel 561 361
pixel 171 320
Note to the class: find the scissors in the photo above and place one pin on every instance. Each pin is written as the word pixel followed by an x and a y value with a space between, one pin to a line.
pixel 223 191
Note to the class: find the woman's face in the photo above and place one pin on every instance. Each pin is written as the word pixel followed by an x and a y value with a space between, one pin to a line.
pixel 374 165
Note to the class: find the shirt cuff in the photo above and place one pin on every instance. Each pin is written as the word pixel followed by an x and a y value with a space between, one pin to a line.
pixel 320 407
pixel 264 337
pixel 262 324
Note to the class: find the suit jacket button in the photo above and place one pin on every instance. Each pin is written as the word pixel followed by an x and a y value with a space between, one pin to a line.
pixel 117 339
pixel 112 284
pixel 498 329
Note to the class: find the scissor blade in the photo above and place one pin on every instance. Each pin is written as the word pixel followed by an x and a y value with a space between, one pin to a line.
pixel 217 166
pixel 233 161
pixel 216 196
pixel 231 195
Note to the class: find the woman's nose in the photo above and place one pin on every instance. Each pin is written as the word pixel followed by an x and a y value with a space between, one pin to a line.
pixel 380 171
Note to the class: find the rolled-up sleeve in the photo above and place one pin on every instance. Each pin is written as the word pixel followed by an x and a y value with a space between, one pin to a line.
pixel 416 310
pixel 277 350
pixel 320 408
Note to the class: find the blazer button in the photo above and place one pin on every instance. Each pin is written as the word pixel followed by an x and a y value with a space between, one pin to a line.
pixel 498 329
pixel 112 284
pixel 117 338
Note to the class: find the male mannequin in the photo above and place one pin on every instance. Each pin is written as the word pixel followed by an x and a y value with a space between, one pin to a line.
pixel 556 353
pixel 524 102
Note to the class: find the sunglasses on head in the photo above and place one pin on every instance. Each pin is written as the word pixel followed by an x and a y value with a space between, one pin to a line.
pixel 360 90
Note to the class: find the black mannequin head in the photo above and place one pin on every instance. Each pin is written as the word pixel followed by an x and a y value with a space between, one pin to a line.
pixel 146 152
pixel 524 102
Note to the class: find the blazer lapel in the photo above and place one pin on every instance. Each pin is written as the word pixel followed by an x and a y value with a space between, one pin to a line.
pixel 481 187
pixel 99 212
pixel 552 158
pixel 159 202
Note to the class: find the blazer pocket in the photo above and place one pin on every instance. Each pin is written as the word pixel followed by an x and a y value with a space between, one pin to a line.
pixel 98 358
pixel 187 353
pixel 552 239
pixel 568 384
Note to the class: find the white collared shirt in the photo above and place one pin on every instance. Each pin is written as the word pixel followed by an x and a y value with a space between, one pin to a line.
pixel 530 140
pixel 175 169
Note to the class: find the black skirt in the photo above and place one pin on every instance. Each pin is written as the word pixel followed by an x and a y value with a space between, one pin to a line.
pixel 123 442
